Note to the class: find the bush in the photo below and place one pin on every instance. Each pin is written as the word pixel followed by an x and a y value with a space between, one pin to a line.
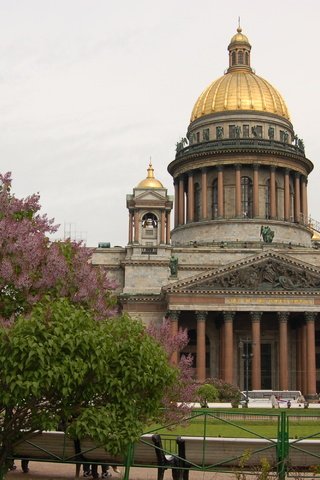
pixel 207 393
pixel 226 391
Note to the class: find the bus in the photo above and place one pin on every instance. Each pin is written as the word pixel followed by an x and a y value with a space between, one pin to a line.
pixel 272 398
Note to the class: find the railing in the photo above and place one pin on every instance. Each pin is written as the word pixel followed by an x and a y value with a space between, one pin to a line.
pixel 241 143
pixel 314 224
pixel 207 441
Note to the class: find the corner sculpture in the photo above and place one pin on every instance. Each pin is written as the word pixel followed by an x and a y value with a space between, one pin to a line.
pixel 173 265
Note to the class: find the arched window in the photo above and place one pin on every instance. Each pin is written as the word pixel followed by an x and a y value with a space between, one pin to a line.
pixel 215 199
pixel 149 220
pixel 268 201
pixel 240 57
pixel 197 195
pixel 233 58
pixel 246 197
pixel 247 58
pixel 291 203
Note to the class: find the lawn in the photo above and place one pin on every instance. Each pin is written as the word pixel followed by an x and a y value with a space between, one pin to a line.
pixel 248 423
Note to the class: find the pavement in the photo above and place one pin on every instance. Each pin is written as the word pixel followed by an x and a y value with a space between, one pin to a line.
pixel 58 471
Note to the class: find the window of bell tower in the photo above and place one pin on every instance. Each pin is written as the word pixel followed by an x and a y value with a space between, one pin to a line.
pixel 149 221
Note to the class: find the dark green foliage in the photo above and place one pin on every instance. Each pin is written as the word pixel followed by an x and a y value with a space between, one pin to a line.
pixel 99 379
pixel 207 393
pixel 226 391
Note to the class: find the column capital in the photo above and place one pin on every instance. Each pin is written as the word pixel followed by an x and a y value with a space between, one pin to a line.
pixel 228 316
pixel 191 173
pixel 287 171
pixel 220 168
pixel 256 316
pixel 238 166
pixel 204 169
pixel 273 168
pixel 310 316
pixel 256 166
pixel 297 175
pixel 173 315
pixel 201 315
pixel 283 316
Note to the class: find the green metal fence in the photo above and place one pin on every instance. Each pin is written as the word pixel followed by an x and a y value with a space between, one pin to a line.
pixel 206 441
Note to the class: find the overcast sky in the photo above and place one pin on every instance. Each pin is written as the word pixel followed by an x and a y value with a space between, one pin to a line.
pixel 90 89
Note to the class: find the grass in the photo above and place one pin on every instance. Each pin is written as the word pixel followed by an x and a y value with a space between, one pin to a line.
pixel 247 423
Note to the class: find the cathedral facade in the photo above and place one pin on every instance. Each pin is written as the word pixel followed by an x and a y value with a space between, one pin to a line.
pixel 239 266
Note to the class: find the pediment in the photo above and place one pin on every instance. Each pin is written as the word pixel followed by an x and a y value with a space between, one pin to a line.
pixel 267 272
pixel 150 195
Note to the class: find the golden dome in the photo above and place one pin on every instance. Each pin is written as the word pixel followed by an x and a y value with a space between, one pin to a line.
pixel 240 88
pixel 239 37
pixel 150 181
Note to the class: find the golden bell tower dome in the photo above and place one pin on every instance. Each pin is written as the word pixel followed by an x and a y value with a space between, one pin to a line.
pixel 240 88
pixel 150 181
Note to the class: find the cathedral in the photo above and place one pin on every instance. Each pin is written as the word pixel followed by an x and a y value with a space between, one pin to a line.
pixel 238 265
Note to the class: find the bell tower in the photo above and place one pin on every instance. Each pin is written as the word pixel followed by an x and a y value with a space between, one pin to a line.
pixel 149 214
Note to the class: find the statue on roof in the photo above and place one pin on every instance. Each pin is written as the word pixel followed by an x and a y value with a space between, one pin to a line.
pixel 266 233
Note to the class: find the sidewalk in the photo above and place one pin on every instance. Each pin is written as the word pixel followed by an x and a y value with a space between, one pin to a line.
pixel 58 471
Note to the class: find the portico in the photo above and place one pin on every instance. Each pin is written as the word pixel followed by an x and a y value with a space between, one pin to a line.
pixel 224 308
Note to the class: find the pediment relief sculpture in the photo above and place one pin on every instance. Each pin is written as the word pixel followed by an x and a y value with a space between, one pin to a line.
pixel 266 275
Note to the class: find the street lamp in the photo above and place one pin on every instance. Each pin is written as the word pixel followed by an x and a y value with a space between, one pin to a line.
pixel 247 356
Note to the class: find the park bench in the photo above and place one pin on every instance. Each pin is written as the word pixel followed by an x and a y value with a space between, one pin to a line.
pixel 57 447
pixel 213 453
pixel 209 453
pixel 194 453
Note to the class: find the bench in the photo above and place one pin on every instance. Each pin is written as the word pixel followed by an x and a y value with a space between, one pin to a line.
pixel 213 453
pixel 57 447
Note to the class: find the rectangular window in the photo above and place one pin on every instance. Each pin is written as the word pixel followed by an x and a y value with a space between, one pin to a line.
pixel 232 131
pixel 198 137
pixel 245 129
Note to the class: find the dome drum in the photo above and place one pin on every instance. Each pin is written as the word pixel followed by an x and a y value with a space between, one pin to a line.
pixel 243 126
pixel 235 231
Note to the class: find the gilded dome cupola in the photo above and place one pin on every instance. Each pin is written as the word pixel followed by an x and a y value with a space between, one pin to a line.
pixel 240 88
pixel 239 52
pixel 150 181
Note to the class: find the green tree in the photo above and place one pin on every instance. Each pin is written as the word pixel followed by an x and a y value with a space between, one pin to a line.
pixel 102 379
pixel 207 393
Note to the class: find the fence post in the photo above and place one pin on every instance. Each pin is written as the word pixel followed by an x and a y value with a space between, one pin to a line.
pixel 282 446
pixel 128 461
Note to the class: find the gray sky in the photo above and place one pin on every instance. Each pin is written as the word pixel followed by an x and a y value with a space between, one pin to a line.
pixel 90 89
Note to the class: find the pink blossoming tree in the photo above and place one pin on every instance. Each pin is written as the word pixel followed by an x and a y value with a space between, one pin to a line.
pixel 31 266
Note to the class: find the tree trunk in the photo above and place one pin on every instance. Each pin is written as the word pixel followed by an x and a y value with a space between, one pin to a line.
pixel 4 462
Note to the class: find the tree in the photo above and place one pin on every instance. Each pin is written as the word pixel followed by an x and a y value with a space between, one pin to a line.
pixel 177 396
pixel 102 379
pixel 226 391
pixel 31 266
pixel 207 393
